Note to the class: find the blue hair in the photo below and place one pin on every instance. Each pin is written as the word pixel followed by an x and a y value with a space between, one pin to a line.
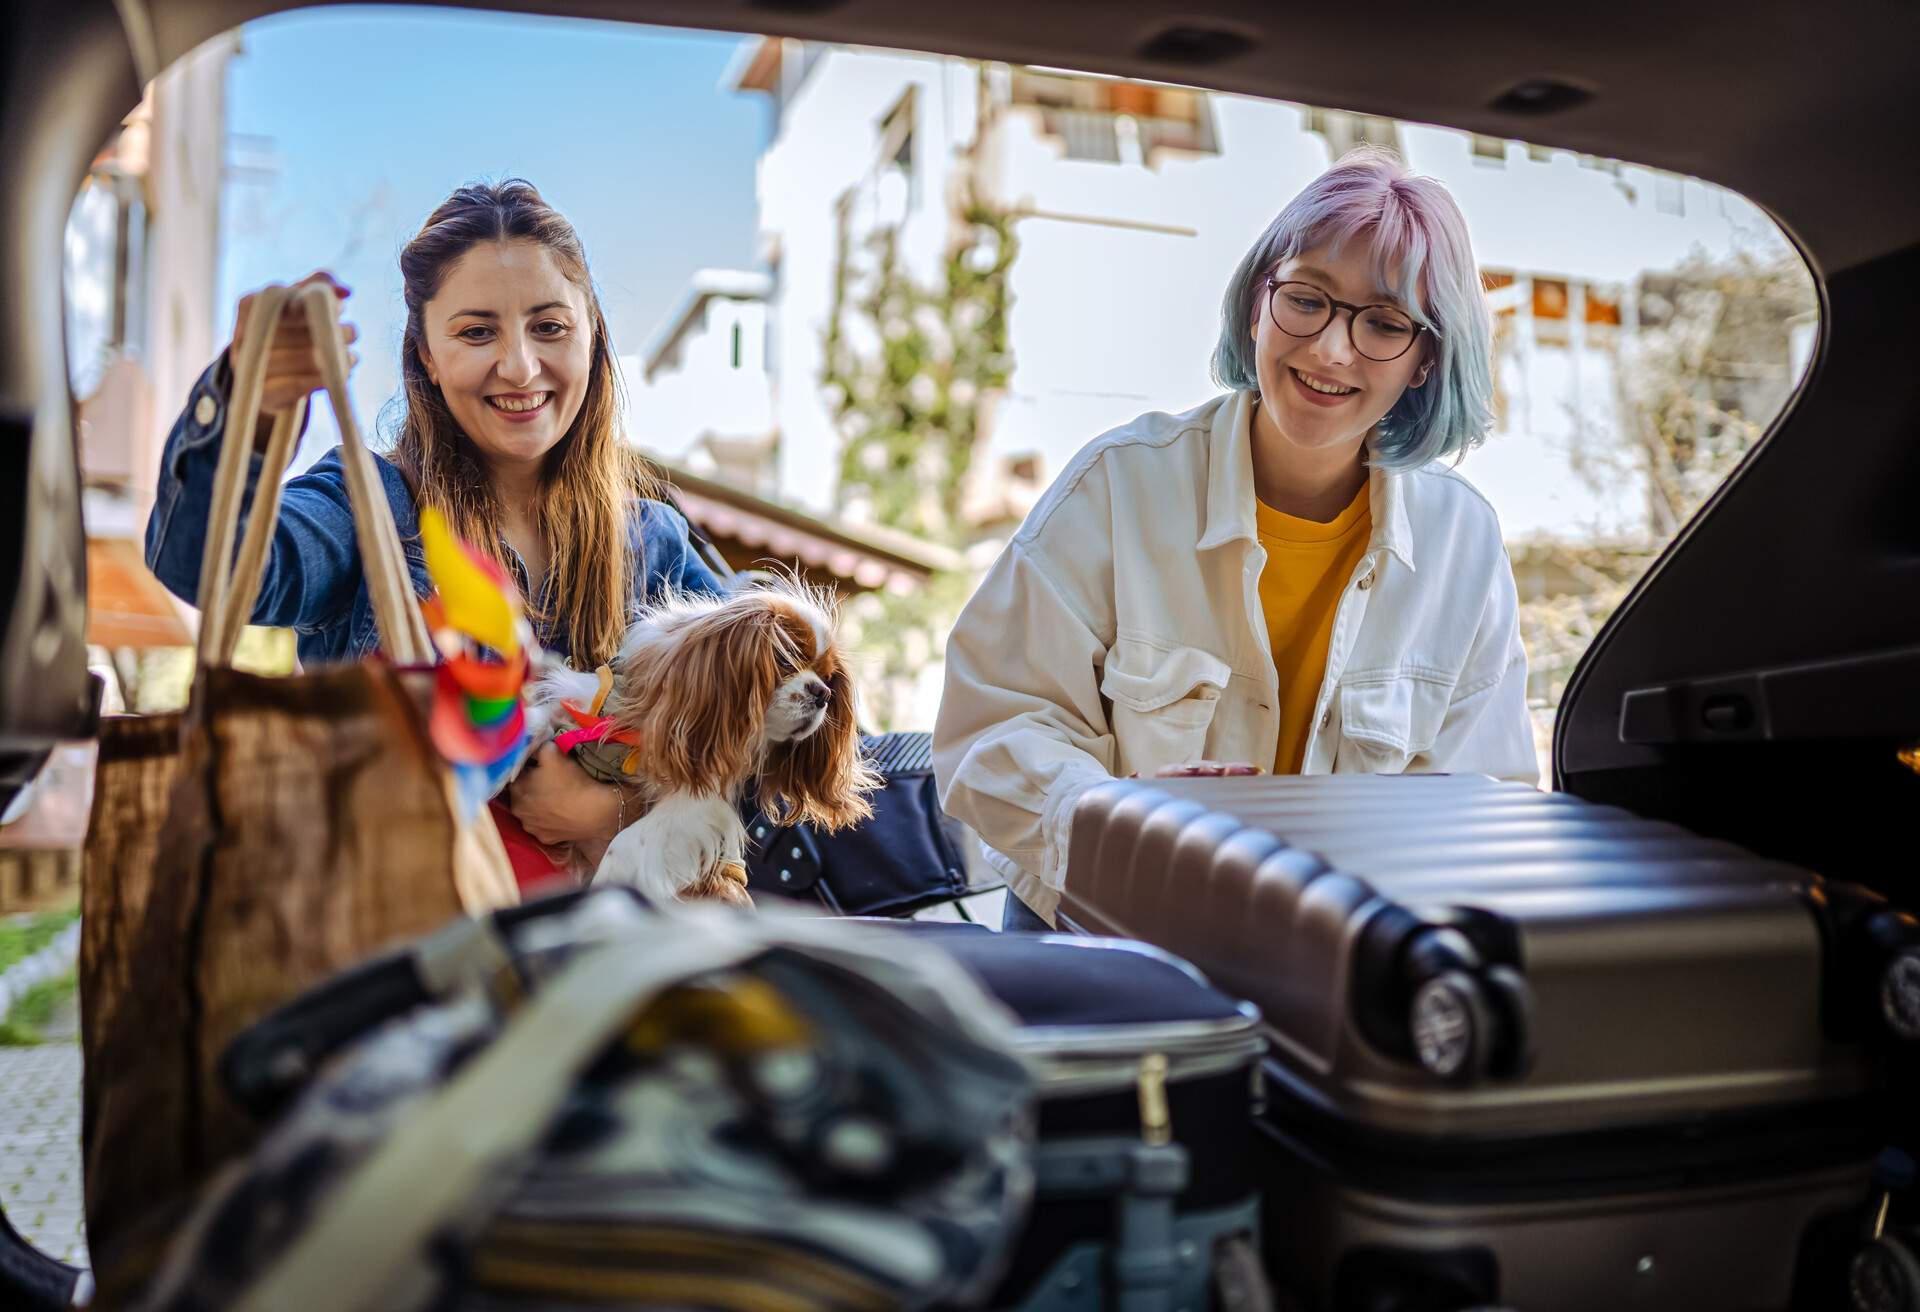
pixel 1419 251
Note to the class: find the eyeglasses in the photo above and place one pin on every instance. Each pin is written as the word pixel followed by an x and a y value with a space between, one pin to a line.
pixel 1379 332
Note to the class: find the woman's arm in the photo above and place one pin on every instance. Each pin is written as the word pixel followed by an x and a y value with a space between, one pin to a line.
pixel 558 802
pixel 1022 731
pixel 313 565
pixel 313 561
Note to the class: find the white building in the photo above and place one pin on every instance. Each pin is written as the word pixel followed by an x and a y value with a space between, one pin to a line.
pixel 1133 202
pixel 142 248
pixel 700 393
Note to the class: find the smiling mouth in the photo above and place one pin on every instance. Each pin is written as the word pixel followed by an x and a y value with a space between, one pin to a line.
pixel 1322 385
pixel 520 404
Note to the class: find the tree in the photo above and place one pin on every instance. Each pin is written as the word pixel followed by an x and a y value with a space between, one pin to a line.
pixel 910 370
pixel 1710 367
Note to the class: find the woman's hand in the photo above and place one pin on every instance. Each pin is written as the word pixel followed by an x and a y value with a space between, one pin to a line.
pixel 293 372
pixel 1202 770
pixel 558 802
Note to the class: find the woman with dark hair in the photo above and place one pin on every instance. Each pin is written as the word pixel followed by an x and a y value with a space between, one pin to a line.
pixel 510 427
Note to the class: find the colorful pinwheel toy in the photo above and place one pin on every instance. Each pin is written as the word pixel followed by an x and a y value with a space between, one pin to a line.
pixel 486 649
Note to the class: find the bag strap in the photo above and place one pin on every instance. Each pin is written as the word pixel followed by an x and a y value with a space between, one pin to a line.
pixel 230 584
pixel 444 1153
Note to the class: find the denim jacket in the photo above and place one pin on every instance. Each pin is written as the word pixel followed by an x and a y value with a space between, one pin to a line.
pixel 313 582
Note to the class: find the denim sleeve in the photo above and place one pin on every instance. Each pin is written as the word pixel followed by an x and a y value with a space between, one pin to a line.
pixel 177 528
pixel 672 564
pixel 313 566
pixel 313 569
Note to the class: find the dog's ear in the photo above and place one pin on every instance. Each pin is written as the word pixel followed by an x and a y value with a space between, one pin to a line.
pixel 697 692
pixel 821 779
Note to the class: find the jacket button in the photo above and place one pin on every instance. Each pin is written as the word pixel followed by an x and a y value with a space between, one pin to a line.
pixel 204 410
pixel 1366 581
pixel 1326 717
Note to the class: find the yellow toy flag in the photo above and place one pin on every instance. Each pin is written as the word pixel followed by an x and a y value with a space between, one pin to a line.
pixel 476 596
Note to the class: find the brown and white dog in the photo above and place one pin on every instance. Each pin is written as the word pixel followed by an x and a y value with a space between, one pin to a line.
pixel 720 691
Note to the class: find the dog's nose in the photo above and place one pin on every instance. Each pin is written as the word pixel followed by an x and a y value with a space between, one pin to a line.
pixel 818 695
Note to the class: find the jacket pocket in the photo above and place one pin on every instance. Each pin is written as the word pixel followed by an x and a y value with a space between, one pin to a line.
pixel 1386 722
pixel 1163 701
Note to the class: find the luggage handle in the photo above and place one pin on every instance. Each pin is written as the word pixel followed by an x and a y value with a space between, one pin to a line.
pixel 230 584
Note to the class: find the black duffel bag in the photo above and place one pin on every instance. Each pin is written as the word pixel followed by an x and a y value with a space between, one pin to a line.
pixel 910 855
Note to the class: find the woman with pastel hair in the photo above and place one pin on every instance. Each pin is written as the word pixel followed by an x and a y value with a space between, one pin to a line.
pixel 1291 575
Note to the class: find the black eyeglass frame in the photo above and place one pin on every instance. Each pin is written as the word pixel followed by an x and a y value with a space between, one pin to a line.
pixel 1334 307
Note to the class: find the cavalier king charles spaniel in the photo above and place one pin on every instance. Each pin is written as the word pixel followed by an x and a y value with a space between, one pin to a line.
pixel 707 695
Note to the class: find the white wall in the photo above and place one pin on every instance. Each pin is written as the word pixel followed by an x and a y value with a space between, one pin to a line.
pixel 701 391
pixel 1121 270
pixel 169 159
pixel 827 144
pixel 188 161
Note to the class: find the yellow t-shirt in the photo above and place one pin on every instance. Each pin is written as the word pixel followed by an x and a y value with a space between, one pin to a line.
pixel 1308 567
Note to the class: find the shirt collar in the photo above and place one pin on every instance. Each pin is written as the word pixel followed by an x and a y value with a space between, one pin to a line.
pixel 1230 497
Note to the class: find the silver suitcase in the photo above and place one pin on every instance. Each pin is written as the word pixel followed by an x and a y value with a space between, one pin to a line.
pixel 1527 1050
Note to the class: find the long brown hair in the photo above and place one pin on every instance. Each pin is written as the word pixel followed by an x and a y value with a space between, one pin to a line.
pixel 589 477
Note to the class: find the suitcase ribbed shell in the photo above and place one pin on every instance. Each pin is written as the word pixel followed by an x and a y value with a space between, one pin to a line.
pixel 1667 974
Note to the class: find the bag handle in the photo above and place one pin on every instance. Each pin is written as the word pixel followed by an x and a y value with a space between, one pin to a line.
pixel 230 584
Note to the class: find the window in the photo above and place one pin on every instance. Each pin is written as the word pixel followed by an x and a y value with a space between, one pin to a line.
pixel 1343 130
pixel 1085 113
pixel 1669 194
pixel 106 276
pixel 1550 304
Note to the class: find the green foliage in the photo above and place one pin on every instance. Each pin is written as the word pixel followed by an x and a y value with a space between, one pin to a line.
pixel 21 1026
pixel 22 936
pixel 908 384
pixel 909 372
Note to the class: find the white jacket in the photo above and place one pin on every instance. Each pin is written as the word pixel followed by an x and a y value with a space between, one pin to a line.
pixel 1121 630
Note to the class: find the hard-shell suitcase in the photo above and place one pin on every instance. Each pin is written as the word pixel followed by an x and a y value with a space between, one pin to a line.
pixel 1525 1049
pixel 1145 1193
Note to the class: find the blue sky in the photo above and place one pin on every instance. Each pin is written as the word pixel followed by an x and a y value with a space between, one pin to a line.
pixel 625 129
